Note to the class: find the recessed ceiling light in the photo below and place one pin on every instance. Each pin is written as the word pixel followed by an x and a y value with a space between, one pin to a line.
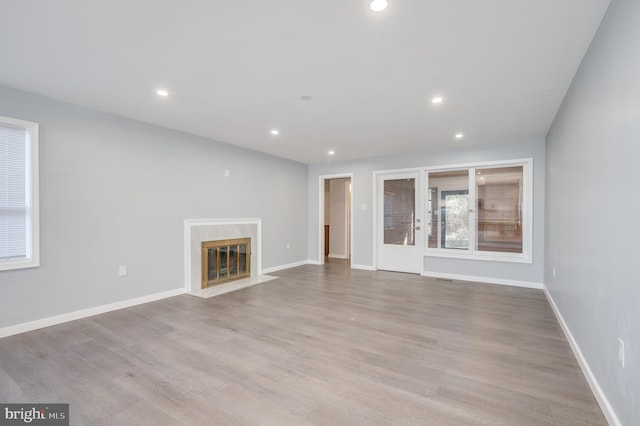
pixel 459 135
pixel 378 5
pixel 275 132
pixel 437 100
pixel 331 152
pixel 162 92
pixel 305 98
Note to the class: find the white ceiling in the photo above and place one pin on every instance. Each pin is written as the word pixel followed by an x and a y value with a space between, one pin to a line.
pixel 235 69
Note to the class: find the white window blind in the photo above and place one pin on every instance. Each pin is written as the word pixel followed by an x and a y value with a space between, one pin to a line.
pixel 13 202
pixel 18 158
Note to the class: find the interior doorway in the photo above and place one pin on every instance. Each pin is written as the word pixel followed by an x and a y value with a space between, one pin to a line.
pixel 335 218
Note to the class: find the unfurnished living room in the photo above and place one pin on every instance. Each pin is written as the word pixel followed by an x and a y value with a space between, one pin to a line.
pixel 342 212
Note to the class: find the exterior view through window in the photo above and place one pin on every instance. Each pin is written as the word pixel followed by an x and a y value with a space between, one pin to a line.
pixel 448 210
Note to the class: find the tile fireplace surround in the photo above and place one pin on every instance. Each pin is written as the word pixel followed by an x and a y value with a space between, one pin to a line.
pixel 197 231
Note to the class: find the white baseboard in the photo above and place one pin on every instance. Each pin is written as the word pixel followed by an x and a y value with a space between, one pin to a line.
pixel 605 406
pixel 314 262
pixel 363 267
pixel 488 280
pixel 84 313
pixel 287 266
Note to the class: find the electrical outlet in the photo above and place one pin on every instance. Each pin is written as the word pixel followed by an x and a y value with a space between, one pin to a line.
pixel 122 271
pixel 553 272
pixel 288 246
pixel 227 173
pixel 621 352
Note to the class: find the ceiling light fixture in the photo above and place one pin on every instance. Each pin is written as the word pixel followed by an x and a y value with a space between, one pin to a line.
pixel 162 92
pixel 331 152
pixel 275 132
pixel 437 100
pixel 378 5
pixel 305 98
pixel 459 135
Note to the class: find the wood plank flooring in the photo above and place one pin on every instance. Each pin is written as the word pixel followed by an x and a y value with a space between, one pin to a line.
pixel 321 345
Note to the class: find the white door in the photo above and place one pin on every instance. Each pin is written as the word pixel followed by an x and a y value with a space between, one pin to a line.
pixel 399 233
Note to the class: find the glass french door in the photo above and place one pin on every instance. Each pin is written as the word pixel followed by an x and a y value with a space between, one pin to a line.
pixel 398 225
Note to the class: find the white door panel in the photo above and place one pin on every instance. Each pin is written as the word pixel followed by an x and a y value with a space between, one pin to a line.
pixel 399 233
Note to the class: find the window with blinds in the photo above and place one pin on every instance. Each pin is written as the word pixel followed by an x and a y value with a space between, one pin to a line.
pixel 18 194
pixel 481 211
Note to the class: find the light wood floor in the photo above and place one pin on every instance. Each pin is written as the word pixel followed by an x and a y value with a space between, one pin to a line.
pixel 321 345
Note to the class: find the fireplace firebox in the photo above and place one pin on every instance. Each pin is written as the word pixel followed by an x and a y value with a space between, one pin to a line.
pixel 225 260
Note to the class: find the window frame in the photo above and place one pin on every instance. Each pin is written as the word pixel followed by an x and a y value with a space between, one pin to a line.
pixel 32 143
pixel 527 213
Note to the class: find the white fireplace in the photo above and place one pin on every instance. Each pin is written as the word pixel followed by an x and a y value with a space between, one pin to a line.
pixel 196 231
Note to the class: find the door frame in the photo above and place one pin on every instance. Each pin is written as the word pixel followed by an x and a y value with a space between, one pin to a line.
pixel 420 211
pixel 321 182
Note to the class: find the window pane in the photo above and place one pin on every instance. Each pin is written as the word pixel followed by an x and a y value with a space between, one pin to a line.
pixel 14 210
pixel 499 193
pixel 19 239
pixel 455 220
pixel 399 211
pixel 432 218
pixel 448 210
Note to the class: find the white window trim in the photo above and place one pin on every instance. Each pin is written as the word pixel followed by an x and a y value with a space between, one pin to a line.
pixel 32 188
pixel 527 214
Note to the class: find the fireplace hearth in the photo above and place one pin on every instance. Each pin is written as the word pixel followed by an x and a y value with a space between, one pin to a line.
pixel 225 260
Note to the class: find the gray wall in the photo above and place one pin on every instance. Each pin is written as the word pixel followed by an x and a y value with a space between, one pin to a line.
pixel 593 150
pixel 116 192
pixel 362 253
